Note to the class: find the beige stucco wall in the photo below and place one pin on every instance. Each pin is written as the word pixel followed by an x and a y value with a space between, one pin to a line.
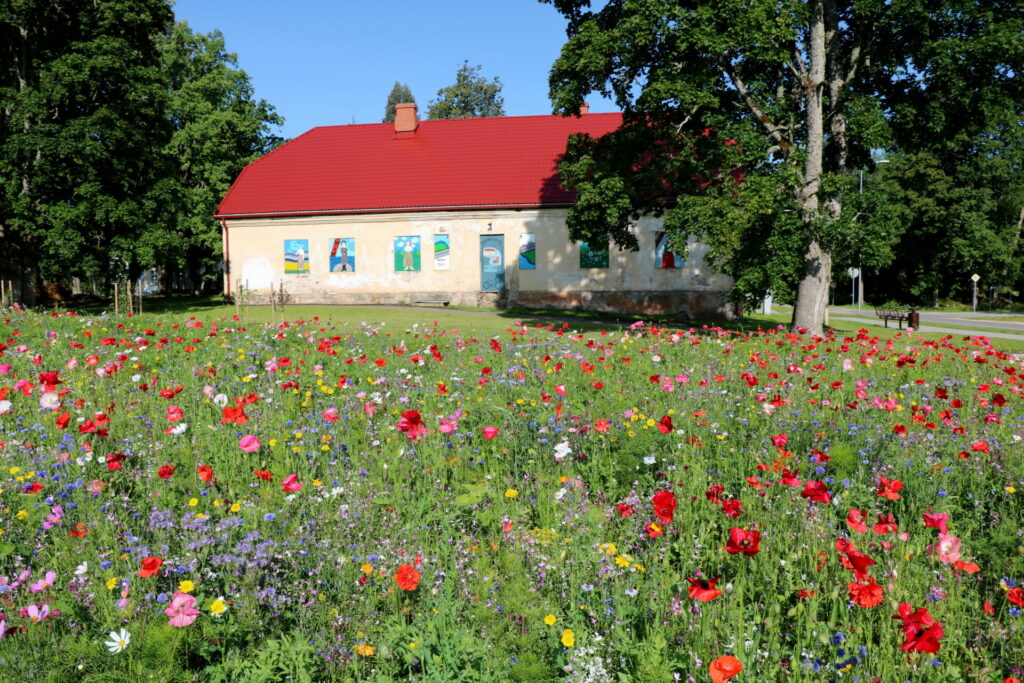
pixel 255 249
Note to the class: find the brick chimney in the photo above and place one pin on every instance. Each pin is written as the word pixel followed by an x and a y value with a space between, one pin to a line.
pixel 405 118
pixel 585 108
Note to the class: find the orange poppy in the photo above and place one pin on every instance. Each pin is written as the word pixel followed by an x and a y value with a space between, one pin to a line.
pixel 724 668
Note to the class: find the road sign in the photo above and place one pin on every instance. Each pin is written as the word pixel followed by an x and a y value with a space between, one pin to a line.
pixel 853 272
pixel 975 277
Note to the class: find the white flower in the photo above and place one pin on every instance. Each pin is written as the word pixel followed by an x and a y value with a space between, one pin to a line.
pixel 649 459
pixel 118 641
pixel 562 451
pixel 49 401
pixel 81 569
pixel 178 428
pixel 220 400
pixel 5 407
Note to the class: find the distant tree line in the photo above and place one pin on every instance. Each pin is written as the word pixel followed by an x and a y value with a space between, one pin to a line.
pixel 120 131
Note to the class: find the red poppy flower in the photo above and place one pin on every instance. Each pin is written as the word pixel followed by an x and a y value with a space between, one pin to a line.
pixel 114 461
pixel 411 424
pixel 233 415
pixel 780 440
pixel 714 494
pixel 724 668
pixel 816 491
pixel 665 425
pixel 937 520
pixel 732 508
pixel 205 473
pixel 886 524
pixel 889 488
pixel 855 520
pixel 899 429
pixel 654 529
pixel 150 567
pixel 407 578
pixel 80 530
pixel 704 590
pixel 746 541
pixel 921 631
pixel 625 510
pixel 867 594
pixel 979 447
pixel 174 413
pixel 664 505
pixel 265 475
pixel 63 419
pixel 1016 596
pixel 165 471
pixel 789 478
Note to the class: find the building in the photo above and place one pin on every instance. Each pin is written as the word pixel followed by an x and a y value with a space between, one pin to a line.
pixel 461 211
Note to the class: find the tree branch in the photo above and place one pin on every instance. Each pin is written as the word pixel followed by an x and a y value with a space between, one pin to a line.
pixel 775 131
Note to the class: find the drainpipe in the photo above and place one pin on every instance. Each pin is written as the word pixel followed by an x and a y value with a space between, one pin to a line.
pixel 227 258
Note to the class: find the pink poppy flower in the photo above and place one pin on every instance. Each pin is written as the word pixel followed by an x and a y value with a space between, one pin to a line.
pixel 249 443
pixel 182 610
pixel 291 483
pixel 490 432
pixel 947 549
pixel 447 426
pixel 331 414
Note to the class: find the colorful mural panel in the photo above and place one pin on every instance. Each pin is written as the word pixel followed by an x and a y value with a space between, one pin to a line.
pixel 296 257
pixel 663 255
pixel 593 257
pixel 528 251
pixel 407 253
pixel 442 252
pixel 343 255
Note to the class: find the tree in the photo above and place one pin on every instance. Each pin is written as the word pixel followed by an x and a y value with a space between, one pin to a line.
pixel 742 119
pixel 217 128
pixel 400 94
pixel 82 125
pixel 471 96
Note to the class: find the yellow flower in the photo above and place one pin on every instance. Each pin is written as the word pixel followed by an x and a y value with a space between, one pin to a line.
pixel 1010 489
pixel 511 493
pixel 21 514
pixel 622 561
pixel 235 507
pixel 364 650
pixel 111 583
pixel 550 620
pixel 186 586
pixel 568 638
pixel 367 568
pixel 218 607
pixel 192 502
pixel 608 548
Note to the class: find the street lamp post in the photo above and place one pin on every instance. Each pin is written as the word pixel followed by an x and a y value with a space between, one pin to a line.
pixel 860 269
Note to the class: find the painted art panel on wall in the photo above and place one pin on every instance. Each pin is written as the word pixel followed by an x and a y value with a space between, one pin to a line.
pixel 442 252
pixel 593 257
pixel 407 253
pixel 296 256
pixel 663 255
pixel 528 251
pixel 343 255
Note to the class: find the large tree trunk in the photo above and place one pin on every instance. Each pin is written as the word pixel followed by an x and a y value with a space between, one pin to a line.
pixel 812 295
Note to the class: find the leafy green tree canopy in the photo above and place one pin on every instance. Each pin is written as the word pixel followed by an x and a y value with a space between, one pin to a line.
pixel 471 96
pixel 399 94
pixel 743 119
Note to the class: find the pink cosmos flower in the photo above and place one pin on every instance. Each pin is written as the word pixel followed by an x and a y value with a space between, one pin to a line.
pixel 182 610
pixel 947 549
pixel 447 426
pixel 5 368
pixel 291 483
pixel 44 583
pixel 490 432
pixel 35 613
pixel 249 443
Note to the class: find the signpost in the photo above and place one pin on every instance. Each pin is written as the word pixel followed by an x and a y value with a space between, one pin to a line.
pixel 974 298
pixel 854 273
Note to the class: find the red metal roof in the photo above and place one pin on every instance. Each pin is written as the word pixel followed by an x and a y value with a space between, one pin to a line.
pixel 447 164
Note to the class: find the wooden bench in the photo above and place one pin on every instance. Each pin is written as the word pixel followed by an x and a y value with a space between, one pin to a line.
pixel 434 302
pixel 900 315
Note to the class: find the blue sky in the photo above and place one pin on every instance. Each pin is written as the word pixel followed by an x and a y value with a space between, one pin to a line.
pixel 323 62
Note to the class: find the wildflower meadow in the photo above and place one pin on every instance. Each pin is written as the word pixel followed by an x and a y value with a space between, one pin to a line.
pixel 212 500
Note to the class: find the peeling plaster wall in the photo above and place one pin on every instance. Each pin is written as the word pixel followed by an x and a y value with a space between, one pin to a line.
pixel 631 283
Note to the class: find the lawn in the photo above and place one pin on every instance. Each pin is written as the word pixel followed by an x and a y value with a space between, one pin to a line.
pixel 395 494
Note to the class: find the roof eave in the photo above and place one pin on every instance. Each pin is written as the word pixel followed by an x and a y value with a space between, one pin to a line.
pixel 400 209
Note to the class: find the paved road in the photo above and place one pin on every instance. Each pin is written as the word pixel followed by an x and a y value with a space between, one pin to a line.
pixel 987 324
